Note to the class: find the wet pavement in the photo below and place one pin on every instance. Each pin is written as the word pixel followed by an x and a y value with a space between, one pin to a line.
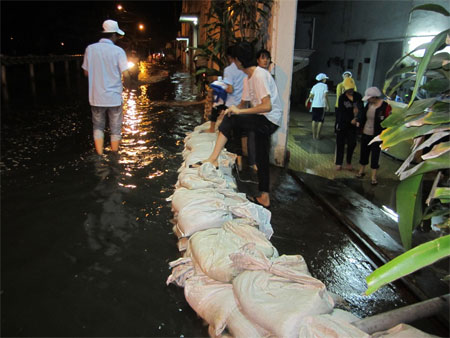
pixel 86 241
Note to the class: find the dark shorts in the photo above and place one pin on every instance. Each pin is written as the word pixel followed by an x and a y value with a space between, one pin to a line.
pixel 318 114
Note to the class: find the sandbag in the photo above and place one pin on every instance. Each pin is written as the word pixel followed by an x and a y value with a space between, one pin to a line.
pixel 210 249
pixel 183 196
pixel 278 302
pixel 214 302
pixel 329 325
pixel 202 214
pixel 402 331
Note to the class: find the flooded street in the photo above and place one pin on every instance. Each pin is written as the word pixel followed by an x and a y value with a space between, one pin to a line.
pixel 86 241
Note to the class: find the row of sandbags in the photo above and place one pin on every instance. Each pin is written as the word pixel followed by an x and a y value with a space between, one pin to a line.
pixel 232 275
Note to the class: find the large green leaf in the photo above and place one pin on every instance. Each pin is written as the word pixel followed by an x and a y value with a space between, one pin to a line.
pixel 412 260
pixel 432 8
pixel 393 135
pixel 436 61
pixel 437 85
pixel 441 162
pixel 437 213
pixel 442 193
pixel 409 207
pixel 438 150
pixel 435 44
pixel 398 85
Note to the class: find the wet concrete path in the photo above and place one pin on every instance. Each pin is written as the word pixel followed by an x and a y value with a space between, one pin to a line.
pixel 86 242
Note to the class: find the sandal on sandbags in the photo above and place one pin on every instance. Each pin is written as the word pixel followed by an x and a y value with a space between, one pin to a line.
pixel 254 200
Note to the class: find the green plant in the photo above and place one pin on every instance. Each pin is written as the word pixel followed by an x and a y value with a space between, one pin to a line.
pixel 230 21
pixel 425 123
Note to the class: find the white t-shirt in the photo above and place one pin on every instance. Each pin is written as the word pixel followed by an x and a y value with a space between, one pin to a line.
pixel 319 90
pixel 258 86
pixel 105 62
pixel 235 77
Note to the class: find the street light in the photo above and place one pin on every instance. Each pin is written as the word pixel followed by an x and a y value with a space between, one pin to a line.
pixel 141 27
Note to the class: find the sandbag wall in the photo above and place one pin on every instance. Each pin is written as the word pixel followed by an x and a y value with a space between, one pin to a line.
pixel 232 275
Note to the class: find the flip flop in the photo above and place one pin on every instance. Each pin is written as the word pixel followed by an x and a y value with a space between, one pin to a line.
pixel 374 182
pixel 360 175
pixel 198 165
pixel 254 200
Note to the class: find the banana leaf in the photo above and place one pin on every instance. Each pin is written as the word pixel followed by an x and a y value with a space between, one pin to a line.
pixel 436 60
pixel 420 105
pixel 435 44
pixel 419 144
pixel 442 193
pixel 412 260
pixel 437 85
pixel 400 71
pixel 399 84
pixel 437 213
pixel 409 207
pixel 438 150
pixel 441 162
pixel 393 135
pixel 432 117
pixel 432 8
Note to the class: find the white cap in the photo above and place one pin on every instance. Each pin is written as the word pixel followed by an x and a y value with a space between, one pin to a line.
pixel 347 72
pixel 371 92
pixel 111 26
pixel 321 76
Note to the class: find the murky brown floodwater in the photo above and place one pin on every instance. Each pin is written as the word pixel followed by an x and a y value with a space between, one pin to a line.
pixel 86 242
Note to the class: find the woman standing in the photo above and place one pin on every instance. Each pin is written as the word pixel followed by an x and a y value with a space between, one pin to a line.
pixel 350 104
pixel 370 119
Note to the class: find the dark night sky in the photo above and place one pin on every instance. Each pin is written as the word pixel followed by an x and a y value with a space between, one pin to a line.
pixel 39 27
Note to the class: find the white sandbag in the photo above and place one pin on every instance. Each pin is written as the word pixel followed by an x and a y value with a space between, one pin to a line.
pixel 402 331
pixel 183 196
pixel 329 325
pixel 193 181
pixel 182 270
pixel 240 327
pixel 202 214
pixel 258 213
pixel 209 173
pixel 214 302
pixel 210 249
pixel 278 304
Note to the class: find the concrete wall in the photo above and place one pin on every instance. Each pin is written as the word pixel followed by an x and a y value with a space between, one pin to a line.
pixel 281 46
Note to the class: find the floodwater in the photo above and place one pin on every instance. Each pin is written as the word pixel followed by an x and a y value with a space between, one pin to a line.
pixel 86 242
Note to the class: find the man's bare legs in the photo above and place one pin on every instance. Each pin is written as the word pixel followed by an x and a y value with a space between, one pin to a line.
pixel 115 146
pixel 98 142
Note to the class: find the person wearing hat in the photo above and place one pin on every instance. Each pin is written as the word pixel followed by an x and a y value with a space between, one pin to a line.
pixel 370 119
pixel 340 87
pixel 319 104
pixel 350 103
pixel 104 64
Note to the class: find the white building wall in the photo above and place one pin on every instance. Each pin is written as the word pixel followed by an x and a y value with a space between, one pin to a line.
pixel 281 42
